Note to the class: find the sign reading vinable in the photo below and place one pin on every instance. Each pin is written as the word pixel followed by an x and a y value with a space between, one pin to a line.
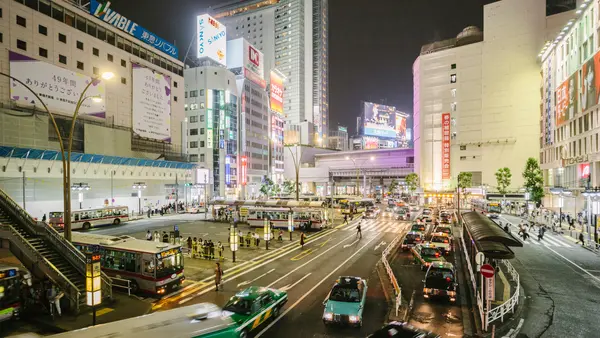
pixel 446 146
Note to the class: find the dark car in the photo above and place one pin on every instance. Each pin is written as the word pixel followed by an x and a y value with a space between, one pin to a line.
pixel 402 330
pixel 440 281
pixel 411 239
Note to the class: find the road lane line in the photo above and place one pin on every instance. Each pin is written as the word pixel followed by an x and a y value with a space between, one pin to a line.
pixel 255 279
pixel 287 287
pixel 301 255
pixel 580 268
pixel 275 320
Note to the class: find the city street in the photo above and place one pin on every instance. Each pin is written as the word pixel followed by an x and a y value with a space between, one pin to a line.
pixel 561 281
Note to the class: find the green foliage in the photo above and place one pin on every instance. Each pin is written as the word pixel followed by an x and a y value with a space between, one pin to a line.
pixel 503 177
pixel 393 186
pixel 465 180
pixel 534 181
pixel 267 186
pixel 412 181
pixel 288 187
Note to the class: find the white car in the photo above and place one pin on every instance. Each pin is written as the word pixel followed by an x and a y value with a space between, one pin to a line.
pixel 414 208
pixel 442 241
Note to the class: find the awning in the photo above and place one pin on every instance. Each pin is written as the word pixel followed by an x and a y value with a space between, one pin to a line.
pixel 483 229
pixel 495 250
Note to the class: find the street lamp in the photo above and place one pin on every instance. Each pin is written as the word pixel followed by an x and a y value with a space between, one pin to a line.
pixel 233 240
pixel 561 193
pixel 593 208
pixel 371 158
pixel 139 186
pixel 66 152
pixel 80 187
pixel 291 223
pixel 267 231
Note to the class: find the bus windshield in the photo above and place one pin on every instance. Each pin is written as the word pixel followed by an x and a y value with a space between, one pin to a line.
pixel 168 265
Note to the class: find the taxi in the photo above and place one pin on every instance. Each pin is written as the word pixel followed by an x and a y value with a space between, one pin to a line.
pixel 411 239
pixel 345 302
pixel 426 254
pixel 444 228
pixel 442 241
pixel 419 227
pixel 253 306
pixel 440 281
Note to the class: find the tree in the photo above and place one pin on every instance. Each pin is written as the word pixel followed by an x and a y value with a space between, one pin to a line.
pixel 288 187
pixel 276 189
pixel 412 181
pixel 464 181
pixel 266 187
pixel 534 181
pixel 503 177
pixel 393 186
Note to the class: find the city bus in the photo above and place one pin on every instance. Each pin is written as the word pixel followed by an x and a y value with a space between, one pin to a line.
pixel 358 205
pixel 202 320
pixel 151 267
pixel 492 208
pixel 12 279
pixel 311 218
pixel 91 218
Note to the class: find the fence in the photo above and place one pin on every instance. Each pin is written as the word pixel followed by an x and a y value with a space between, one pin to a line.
pixel 384 254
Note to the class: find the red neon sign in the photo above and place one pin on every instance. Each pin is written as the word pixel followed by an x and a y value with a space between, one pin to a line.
pixel 244 171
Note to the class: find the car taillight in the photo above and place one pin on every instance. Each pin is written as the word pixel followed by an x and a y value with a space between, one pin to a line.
pixel 445 241
pixel 448 279
pixel 437 254
pixel 417 239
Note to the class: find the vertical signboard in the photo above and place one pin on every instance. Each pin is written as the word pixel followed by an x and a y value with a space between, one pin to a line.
pixel 228 170
pixel 590 83
pixel 446 146
pixel 244 170
pixel 151 104
pixel 209 118
pixel 276 93
pixel 566 100
pixel 549 101
pixel 211 39
pixel 253 64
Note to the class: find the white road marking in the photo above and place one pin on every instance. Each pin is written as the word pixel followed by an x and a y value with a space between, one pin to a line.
pixel 513 332
pixel 580 268
pixel 379 245
pixel 313 288
pixel 349 245
pixel 287 287
pixel 255 279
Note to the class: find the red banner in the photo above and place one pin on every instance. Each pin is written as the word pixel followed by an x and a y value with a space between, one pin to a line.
pixel 446 146
pixel 244 171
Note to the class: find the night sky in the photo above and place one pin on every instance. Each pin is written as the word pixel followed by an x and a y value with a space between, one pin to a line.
pixel 373 43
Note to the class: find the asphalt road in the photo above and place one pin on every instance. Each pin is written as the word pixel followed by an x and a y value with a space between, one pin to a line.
pixel 307 274
pixel 561 281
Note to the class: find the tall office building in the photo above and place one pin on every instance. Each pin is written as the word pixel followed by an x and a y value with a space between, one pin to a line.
pixel 293 35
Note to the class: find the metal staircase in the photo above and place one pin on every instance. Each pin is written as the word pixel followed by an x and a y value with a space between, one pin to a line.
pixel 45 252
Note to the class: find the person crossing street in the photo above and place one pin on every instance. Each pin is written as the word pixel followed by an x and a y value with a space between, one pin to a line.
pixel 358 229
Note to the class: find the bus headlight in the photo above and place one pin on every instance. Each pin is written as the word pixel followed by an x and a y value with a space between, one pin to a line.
pixel 328 316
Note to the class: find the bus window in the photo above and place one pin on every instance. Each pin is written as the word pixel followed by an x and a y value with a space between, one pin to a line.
pixel 56 214
pixel 118 260
pixel 168 265
pixel 76 215
pixel 148 268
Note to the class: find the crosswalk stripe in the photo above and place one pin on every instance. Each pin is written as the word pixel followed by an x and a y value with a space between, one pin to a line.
pixel 386 228
pixel 369 227
pixel 556 242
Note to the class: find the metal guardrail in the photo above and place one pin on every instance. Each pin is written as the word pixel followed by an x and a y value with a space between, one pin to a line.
pixel 392 277
pixel 510 304
pixel 121 280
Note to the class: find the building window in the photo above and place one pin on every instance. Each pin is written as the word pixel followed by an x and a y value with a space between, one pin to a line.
pixel 193 158
pixel 201 157
pixel 201 105
pixel 123 63
pixel 96 71
pixel 175 84
pixel 95 51
pixel 43 52
pixel 79 45
pixel 463 147
pixel 453 106
pixel 193 131
pixel 453 66
pixel 453 92
pixel 21 21
pixel 201 118
pixel 62 38
pixel 453 78
pixel 109 57
pixel 1 36
pixel 193 119
pixel 21 44
pixel 79 65
pixel 175 98
pixel 463 158
pixel 201 131
pixel 194 144
pixel 42 30
pixel 193 93
pixel 202 144
pixel 123 80
pixel 62 59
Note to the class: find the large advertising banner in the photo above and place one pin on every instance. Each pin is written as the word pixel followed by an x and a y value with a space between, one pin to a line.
pixel 549 101
pixel 379 120
pixel 253 64
pixel 59 88
pixel 400 127
pixel 151 104
pixel 211 38
pixel 276 93
pixel 590 83
pixel 371 142
pixel 566 100
pixel 446 146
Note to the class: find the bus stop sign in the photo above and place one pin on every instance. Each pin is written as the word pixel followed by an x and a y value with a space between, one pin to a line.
pixel 487 271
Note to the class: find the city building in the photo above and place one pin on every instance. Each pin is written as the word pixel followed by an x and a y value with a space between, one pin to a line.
pixel 475 97
pixel 212 111
pixel 569 121
pixel 59 47
pixel 293 35
pixel 338 138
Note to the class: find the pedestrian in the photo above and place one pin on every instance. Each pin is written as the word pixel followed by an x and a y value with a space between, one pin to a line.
pixel 148 235
pixel 581 239
pixel 212 249
pixel 506 228
pixel 165 237
pixel 218 276
pixel 220 250
pixel 257 238
pixel 302 237
pixel 44 218
pixel 241 236
pixel 358 232
pixel 189 245
pixel 280 237
pixel 540 234
pixel 156 237
pixel 248 239
pixel 54 296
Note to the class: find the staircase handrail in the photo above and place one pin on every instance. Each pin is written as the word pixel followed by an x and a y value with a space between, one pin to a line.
pixel 43 259
pixel 21 213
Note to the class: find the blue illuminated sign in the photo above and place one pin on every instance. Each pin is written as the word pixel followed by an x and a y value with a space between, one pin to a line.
pixel 228 170
pixel 103 12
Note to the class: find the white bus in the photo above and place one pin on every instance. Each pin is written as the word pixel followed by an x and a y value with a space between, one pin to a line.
pixel 357 205
pixel 151 267
pixel 91 218
pixel 311 218
pixel 194 321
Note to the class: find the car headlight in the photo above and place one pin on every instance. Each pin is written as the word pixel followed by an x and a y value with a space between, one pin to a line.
pixel 353 319
pixel 328 316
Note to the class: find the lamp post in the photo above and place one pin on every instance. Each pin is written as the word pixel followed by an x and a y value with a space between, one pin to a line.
pixel 80 187
pixel 296 160
pixel 93 282
pixel 593 208
pixel 233 240
pixel 267 231
pixel 291 223
pixel 348 158
pixel 561 193
pixel 66 152
pixel 139 186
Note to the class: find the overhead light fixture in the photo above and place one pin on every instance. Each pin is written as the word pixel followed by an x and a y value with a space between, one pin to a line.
pixel 583 5
pixel 578 11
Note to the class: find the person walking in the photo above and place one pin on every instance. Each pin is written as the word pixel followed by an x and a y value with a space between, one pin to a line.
pixel 156 237
pixel 302 237
pixel 257 239
pixel 211 249
pixel 220 250
pixel 189 246
pixel 346 218
pixel 241 236
pixel 44 218
pixel 280 237
pixel 148 235
pixel 54 296
pixel 358 229
pixel 581 239
pixel 218 276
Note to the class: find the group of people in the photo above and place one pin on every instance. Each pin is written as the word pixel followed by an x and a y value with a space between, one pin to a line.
pixel 165 209
pixel 197 248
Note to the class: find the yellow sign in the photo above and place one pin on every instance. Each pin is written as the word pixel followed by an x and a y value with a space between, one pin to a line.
pixel 244 212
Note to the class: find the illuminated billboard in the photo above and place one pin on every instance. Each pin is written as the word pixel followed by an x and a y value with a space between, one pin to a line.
pixel 211 38
pixel 566 100
pixel 276 93
pixel 151 104
pixel 384 121
pixel 446 146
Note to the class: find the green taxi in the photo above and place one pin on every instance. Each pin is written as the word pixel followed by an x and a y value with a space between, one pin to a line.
pixel 253 306
pixel 426 254
pixel 345 302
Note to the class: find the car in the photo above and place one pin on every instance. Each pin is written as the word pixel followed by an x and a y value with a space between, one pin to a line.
pixel 402 214
pixel 345 302
pixel 414 208
pixel 402 330
pixel 253 306
pixel 411 239
pixel 493 215
pixel 427 211
pixel 372 212
pixel 419 227
pixel 440 281
pixel 426 254
pixel 445 229
pixel 442 241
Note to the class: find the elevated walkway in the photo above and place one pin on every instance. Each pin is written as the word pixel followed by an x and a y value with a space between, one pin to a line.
pixel 46 253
